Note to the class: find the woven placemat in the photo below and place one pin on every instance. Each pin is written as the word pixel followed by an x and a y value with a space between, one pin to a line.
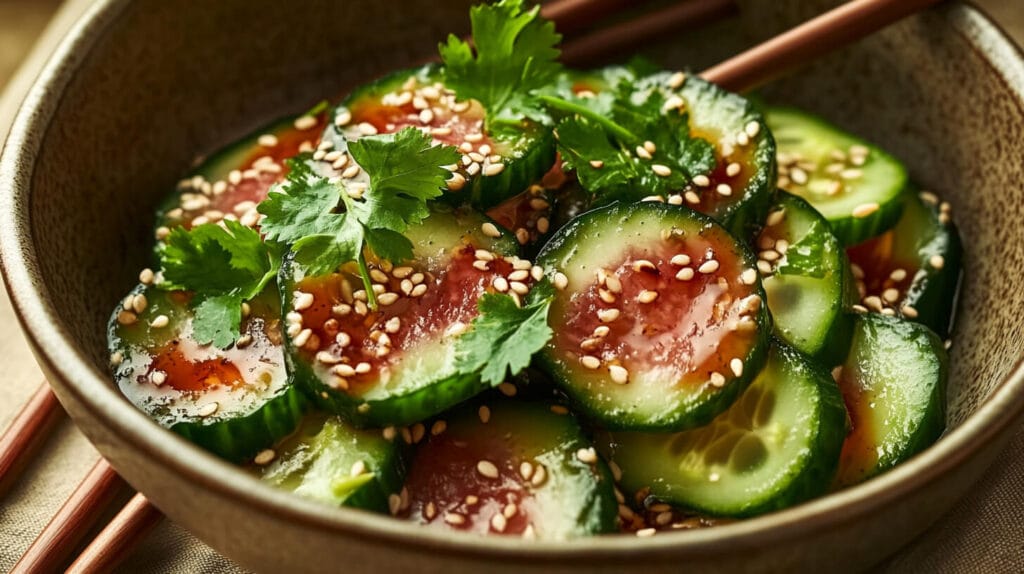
pixel 982 534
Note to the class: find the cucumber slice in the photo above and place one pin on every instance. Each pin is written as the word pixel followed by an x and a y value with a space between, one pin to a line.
pixel 511 468
pixel 778 445
pixel 495 167
pixel 894 385
pixel 855 185
pixel 913 271
pixel 233 402
pixel 744 148
pixel 528 215
pixel 329 461
pixel 230 183
pixel 395 365
pixel 658 322
pixel 806 277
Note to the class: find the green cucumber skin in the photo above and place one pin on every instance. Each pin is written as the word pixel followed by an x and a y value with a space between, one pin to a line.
pixel 710 406
pixel 934 295
pixel 533 155
pixel 240 439
pixel 849 229
pixel 931 419
pixel 832 348
pixel 820 457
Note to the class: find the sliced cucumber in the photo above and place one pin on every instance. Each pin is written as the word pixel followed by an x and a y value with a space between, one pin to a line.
pixel 659 322
pixel 737 192
pixel 495 167
pixel 395 365
pixel 855 185
pixel 913 270
pixel 511 468
pixel 778 445
pixel 233 402
pixel 806 277
pixel 894 385
pixel 528 216
pixel 330 461
pixel 232 181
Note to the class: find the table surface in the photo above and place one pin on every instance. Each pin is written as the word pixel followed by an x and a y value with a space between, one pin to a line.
pixel 981 534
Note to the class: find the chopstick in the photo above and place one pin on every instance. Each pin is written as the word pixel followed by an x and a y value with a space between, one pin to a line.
pixel 114 543
pixel 68 527
pixel 571 16
pixel 745 71
pixel 827 32
pixel 26 433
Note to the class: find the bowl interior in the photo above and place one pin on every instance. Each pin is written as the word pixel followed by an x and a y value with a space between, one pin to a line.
pixel 168 81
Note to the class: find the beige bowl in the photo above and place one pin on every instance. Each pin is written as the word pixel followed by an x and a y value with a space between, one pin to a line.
pixel 138 88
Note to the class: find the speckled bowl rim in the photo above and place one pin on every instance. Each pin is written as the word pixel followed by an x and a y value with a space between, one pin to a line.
pixel 92 389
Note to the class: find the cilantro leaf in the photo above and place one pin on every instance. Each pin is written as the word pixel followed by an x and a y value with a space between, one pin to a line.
pixel 223 266
pixel 805 256
pixel 503 337
pixel 329 224
pixel 515 52
pixel 599 141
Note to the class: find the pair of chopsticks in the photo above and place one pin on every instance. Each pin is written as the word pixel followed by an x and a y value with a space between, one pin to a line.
pixel 574 18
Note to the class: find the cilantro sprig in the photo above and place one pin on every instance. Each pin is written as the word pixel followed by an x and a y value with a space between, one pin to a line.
pixel 331 222
pixel 223 265
pixel 515 53
pixel 503 337
pixel 599 139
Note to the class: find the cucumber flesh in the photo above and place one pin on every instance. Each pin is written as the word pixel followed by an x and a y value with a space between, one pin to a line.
pixel 855 185
pixel 913 271
pixel 496 166
pixel 395 365
pixel 806 277
pixel 330 461
pixel 233 402
pixel 660 324
pixel 778 445
pixel 527 471
pixel 894 386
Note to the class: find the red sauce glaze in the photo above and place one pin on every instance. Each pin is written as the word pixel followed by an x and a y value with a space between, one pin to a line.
pixel 390 118
pixel 877 260
pixel 451 297
pixel 524 211
pixel 859 454
pixel 688 328
pixel 712 202
pixel 184 374
pixel 444 457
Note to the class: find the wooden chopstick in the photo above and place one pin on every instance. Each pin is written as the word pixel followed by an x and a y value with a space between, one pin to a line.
pixel 118 538
pixel 26 433
pixel 750 69
pixel 617 38
pixel 572 16
pixel 829 31
pixel 66 529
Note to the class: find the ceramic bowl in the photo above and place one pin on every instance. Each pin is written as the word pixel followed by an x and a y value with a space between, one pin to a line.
pixel 137 89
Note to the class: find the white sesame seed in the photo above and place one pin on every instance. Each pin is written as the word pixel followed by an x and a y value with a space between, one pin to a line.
pixel 304 123
pixel 363 368
pixel 680 259
pixel 709 266
pixel 490 230
pixel 717 379
pixel 691 197
pixel 937 261
pixel 642 152
pixel 647 296
pixel 596 163
pixel 736 365
pixel 752 128
pixel 733 169
pixel 587 455
pixel 675 81
pixel 302 338
pixel 158 378
pixel 388 298
pixel 865 209
pixel 146 276
pixel 265 457
pixel 685 274
pixel 159 322
pixel 418 290
pixel 909 312
pixel 701 181
pixel 608 315
pixel 539 475
pixel 851 173
pixel 724 189
pixel 560 281
pixel 590 361
pixel 874 303
pixel 661 170
pixel 267 140
pixel 499 522
pixel 494 169
pixel 891 295
pixel 487 469
pixel 367 129
pixel 748 277
pixel 209 409
pixel 619 374
pixel 643 265
pixel 525 470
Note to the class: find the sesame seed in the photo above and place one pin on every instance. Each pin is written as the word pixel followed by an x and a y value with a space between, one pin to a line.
pixel 909 312
pixel 724 189
pixel 860 308
pixel 487 469
pixel 736 365
pixel 680 259
pixel 937 261
pixel 539 475
pixel 302 338
pixel 642 153
pixel 733 169
pixel 619 374
pixel 456 182
pixel 525 470
pixel 507 389
pixel 159 322
pixel 717 379
pixel 418 290
pixel 685 274
pixel 675 81
pixel 146 276
pixel 748 277
pixel 874 303
pixel 363 368
pixel 891 295
pixel 650 147
pixel 608 315
pixel 602 331
pixel 709 266
pixel 590 361
pixel 494 169
pixel 701 181
pixel 661 170
pixel 537 272
pixel 454 518
pixel 158 378
pixel 560 281
pixel 126 318
pixel 265 457
pixel 209 409
pixel 647 296
pixel 519 275
pixel 510 510
pixel 367 129
pixel 522 236
pixel 518 287
pixel 646 532
pixel 865 209
pixel 752 128
pixel 587 455
pixel 386 299
pixel 484 412
pixel 481 265
pixel 490 230
pixel 304 123
pixel 499 522
pixel 343 339
pixel 500 284
pixel 596 163
pixel 851 173
pixel 643 265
